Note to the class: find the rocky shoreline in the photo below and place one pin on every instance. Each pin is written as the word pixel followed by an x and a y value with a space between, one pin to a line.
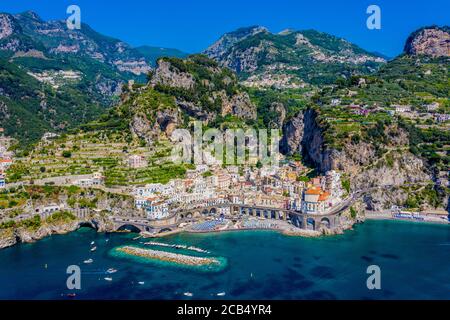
pixel 11 237
pixel 169 256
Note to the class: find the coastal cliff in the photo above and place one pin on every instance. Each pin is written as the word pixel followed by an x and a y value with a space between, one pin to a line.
pixel 11 236
pixel 78 207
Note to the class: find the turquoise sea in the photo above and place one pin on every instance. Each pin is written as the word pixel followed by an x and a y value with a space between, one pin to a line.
pixel 414 259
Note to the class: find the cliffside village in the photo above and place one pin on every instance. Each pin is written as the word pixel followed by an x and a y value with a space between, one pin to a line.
pixel 282 187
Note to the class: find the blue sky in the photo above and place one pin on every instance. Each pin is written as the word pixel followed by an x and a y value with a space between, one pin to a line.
pixel 192 25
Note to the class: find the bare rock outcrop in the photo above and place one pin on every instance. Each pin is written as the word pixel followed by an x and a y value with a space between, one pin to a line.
pixel 170 76
pixel 432 41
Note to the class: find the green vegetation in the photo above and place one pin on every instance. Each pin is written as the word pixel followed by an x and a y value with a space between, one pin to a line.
pixel 353 213
pixel 207 77
pixel 60 217
pixel 32 223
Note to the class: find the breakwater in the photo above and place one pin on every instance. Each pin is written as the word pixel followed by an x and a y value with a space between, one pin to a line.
pixel 176 246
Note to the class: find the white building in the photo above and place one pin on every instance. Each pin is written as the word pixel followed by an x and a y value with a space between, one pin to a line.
pixel 156 208
pixel 223 181
pixel 333 184
pixel 137 161
pixel 314 201
pixel 402 108
pixel 96 180
pixel 5 164
pixel 335 102
pixel 432 106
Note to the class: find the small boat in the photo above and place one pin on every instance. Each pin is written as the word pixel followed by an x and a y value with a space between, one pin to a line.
pixel 108 279
pixel 141 282
pixel 93 249
pixel 71 295
pixel 92 243
pixel 188 294
pixel 88 261
pixel 111 270
pixel 221 294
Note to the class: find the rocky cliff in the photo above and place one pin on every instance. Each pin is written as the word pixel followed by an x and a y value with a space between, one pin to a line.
pixel 218 49
pixel 10 237
pixel 181 90
pixel 362 162
pixel 430 41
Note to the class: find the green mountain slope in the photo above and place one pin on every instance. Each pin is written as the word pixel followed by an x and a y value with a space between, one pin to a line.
pixel 291 58
pixel 57 78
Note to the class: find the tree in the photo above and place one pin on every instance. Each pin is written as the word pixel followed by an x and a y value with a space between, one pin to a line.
pixel 66 154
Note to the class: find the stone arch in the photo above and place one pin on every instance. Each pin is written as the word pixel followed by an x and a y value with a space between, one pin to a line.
pixel 325 222
pixel 88 224
pixel 213 211
pixel 164 230
pixel 129 227
pixel 297 221
pixel 266 214
pixel 273 214
pixel 189 215
pixel 310 224
pixel 258 213
pixel 205 212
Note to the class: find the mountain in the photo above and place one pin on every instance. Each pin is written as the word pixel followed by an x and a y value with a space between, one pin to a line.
pixel 57 78
pixel 290 59
pixel 384 129
pixel 24 32
pixel 152 54
pixel 178 92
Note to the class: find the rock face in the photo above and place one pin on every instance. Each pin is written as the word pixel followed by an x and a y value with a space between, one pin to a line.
pixel 238 105
pixel 6 27
pixel 221 46
pixel 432 41
pixel 167 75
pixel 395 168
pixel 293 132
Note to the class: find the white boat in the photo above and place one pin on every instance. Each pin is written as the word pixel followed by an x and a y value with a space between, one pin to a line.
pixel 88 261
pixel 141 282
pixel 93 249
pixel 108 279
pixel 92 243
pixel 188 294
pixel 111 270
pixel 221 294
